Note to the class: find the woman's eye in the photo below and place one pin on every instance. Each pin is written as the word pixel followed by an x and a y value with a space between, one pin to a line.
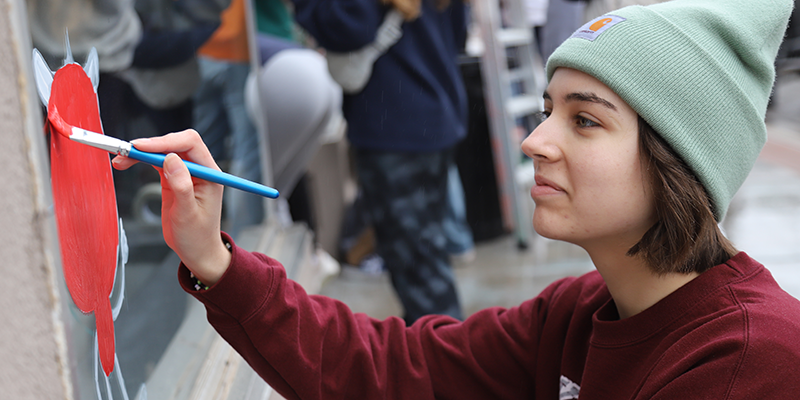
pixel 584 122
pixel 541 116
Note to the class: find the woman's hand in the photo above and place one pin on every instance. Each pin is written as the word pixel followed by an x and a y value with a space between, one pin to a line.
pixel 191 208
pixel 410 9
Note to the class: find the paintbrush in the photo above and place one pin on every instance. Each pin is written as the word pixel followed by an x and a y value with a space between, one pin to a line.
pixel 121 147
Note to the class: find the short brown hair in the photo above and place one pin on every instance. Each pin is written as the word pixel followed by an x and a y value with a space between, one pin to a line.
pixel 685 237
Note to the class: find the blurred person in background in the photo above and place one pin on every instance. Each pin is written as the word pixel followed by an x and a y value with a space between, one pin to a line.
pixel 596 8
pixel 563 18
pixel 404 124
pixel 148 65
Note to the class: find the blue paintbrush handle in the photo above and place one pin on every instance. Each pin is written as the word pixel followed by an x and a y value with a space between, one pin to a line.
pixel 211 175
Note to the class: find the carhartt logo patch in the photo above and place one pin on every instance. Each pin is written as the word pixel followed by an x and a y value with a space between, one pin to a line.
pixel 594 28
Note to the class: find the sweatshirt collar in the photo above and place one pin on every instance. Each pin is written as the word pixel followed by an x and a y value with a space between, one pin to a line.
pixel 680 305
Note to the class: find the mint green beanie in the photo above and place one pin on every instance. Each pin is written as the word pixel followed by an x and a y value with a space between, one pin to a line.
pixel 700 72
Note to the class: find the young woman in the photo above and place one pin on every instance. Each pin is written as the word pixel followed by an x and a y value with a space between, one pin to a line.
pixel 654 118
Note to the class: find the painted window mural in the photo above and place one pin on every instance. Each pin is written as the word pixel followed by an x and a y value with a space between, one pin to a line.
pixel 92 240
pixel 129 330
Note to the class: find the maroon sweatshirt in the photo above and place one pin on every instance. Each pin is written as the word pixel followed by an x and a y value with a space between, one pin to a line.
pixel 731 333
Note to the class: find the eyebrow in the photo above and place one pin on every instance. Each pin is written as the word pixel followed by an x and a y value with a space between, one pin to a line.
pixel 585 96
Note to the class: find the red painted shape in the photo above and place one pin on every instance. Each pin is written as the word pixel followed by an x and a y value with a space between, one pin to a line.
pixel 85 205
pixel 58 124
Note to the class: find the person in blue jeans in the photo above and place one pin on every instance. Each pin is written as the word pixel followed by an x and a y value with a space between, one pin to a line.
pixel 220 115
pixel 460 243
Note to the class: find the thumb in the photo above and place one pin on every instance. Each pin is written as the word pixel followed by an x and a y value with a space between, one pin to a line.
pixel 179 179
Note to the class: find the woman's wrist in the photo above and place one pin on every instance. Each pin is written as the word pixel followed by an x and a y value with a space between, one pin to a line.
pixel 208 272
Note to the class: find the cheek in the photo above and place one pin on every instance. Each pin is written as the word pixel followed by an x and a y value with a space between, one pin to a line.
pixel 608 196
pixel 613 193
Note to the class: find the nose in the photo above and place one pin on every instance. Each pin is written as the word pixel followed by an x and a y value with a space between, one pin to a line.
pixel 540 144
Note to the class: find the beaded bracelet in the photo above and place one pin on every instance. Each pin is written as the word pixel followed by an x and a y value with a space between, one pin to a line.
pixel 199 285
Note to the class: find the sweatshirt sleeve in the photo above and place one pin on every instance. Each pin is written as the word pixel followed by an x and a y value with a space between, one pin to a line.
pixel 313 347
pixel 341 25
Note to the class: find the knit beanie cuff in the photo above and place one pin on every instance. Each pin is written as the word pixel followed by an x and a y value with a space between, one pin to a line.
pixel 699 72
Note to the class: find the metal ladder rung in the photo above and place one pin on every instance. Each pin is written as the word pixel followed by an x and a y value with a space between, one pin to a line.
pixel 789 65
pixel 509 64
pixel 525 175
pixel 518 74
pixel 512 37
pixel 523 105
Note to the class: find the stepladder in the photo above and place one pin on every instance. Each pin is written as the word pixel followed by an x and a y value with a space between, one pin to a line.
pixel 513 76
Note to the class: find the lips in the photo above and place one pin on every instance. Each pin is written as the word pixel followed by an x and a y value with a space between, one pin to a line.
pixel 545 187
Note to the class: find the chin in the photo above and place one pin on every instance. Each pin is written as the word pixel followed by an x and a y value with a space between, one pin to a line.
pixel 551 235
pixel 543 233
pixel 549 229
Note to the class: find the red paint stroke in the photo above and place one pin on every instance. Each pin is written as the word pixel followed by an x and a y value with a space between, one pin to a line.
pixel 85 205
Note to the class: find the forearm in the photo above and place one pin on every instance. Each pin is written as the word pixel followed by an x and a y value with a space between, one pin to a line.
pixel 306 346
pixel 313 347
